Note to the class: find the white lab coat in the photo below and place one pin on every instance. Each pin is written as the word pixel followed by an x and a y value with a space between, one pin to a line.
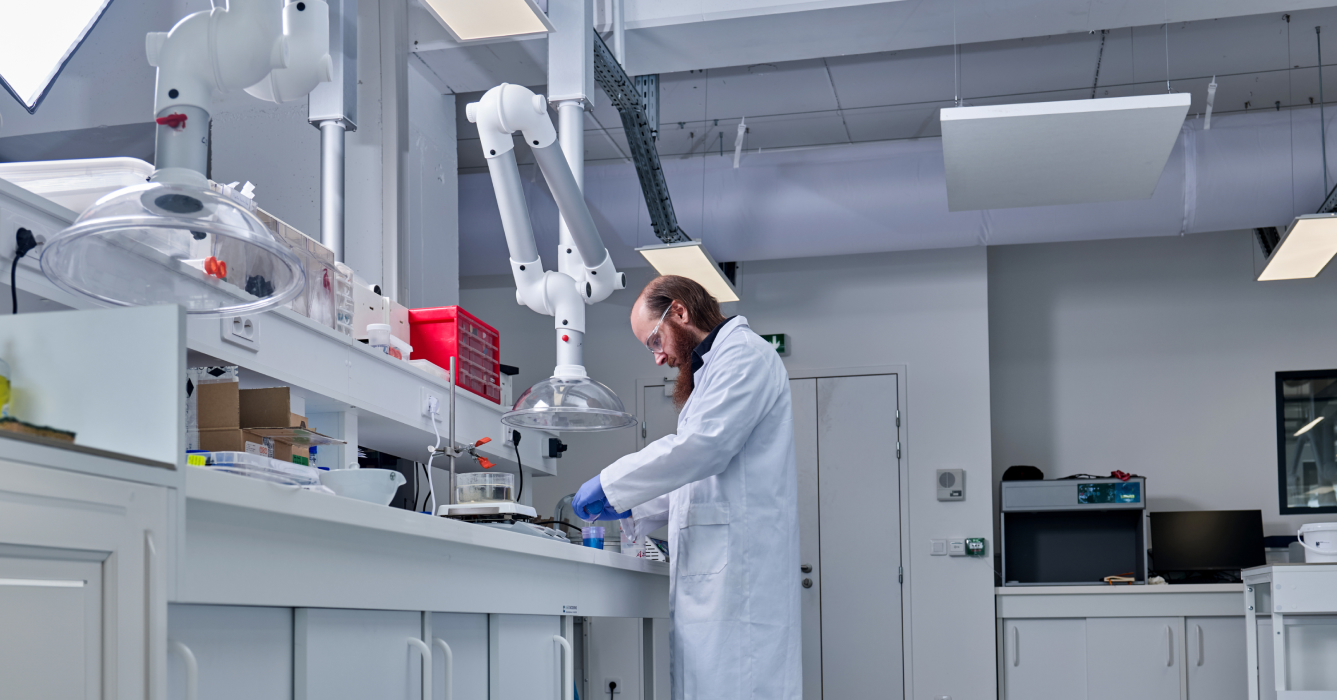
pixel 726 484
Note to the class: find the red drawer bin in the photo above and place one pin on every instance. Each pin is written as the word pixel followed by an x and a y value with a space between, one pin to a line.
pixel 449 331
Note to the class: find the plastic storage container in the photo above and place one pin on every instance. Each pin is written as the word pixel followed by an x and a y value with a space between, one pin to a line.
pixel 1320 542
pixel 263 468
pixel 328 297
pixel 449 331
pixel 484 487
pixel 76 184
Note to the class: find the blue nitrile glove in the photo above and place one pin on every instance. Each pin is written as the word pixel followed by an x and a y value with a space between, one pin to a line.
pixel 590 503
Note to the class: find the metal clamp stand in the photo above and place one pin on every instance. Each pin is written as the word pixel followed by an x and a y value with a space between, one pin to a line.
pixel 450 498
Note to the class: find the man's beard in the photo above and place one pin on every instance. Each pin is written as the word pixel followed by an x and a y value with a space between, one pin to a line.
pixel 683 345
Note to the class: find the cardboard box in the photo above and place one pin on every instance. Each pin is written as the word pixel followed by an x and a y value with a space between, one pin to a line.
pixel 197 377
pixel 269 408
pixel 234 440
pixel 218 406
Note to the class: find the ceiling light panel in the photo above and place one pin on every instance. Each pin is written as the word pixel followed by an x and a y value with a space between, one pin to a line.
pixel 692 261
pixel 474 20
pixel 1048 153
pixel 36 41
pixel 1305 250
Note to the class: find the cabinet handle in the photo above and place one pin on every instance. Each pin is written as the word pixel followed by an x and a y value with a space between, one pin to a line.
pixel 1016 647
pixel 450 666
pixel 150 618
pixel 192 668
pixel 1169 647
pixel 426 653
pixel 1200 651
pixel 568 672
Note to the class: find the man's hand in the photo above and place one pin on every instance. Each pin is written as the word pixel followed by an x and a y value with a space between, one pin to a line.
pixel 590 503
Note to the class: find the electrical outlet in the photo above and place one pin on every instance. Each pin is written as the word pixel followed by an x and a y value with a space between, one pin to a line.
pixel 243 331
pixel 10 223
pixel 612 686
pixel 426 395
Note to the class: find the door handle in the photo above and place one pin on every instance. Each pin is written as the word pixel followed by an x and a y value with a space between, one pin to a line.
pixel 1200 643
pixel 568 670
pixel 806 568
pixel 1169 647
pixel 450 666
pixel 1016 647
pixel 192 668
pixel 426 653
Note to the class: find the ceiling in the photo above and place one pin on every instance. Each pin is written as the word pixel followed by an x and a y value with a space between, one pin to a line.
pixel 1257 60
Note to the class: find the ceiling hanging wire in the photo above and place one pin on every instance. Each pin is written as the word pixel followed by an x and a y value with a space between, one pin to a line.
pixel 1095 82
pixel 956 58
pixel 1322 120
pixel 1167 47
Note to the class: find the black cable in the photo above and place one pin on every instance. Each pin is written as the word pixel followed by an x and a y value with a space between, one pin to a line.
pixel 515 442
pixel 428 499
pixel 24 241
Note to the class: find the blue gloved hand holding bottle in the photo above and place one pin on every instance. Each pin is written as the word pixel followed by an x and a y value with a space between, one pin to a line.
pixel 591 504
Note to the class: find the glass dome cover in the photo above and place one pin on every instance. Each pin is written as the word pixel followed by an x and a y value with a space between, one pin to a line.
pixel 174 243
pixel 569 404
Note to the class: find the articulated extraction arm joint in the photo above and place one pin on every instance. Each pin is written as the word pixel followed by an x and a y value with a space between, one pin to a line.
pixel 504 110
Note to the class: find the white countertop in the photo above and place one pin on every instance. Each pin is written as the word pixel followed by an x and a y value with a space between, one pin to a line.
pixel 1121 590
pixel 249 542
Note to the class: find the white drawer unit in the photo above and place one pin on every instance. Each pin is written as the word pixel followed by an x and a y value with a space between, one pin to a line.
pixel 526 662
pixel 1044 659
pixel 236 652
pixel 357 654
pixel 1293 610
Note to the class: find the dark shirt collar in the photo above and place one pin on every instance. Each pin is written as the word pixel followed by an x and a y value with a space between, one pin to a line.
pixel 699 354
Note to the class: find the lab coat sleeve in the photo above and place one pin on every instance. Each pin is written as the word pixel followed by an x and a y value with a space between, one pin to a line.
pixel 722 418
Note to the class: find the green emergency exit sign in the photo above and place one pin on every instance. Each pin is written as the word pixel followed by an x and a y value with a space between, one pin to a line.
pixel 777 341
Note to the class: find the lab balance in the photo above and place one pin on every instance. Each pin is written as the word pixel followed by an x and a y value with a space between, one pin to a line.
pixel 487 499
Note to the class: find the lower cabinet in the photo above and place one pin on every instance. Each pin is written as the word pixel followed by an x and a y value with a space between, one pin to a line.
pixel 1115 658
pixel 526 662
pixel 239 652
pixel 1216 658
pixel 465 634
pixel 1044 659
pixel 356 654
pixel 1133 657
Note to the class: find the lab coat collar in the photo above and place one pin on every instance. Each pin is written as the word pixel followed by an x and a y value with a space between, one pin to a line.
pixel 699 355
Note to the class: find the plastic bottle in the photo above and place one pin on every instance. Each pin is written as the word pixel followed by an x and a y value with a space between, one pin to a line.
pixel 4 389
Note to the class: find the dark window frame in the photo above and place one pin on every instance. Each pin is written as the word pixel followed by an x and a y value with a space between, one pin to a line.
pixel 1281 440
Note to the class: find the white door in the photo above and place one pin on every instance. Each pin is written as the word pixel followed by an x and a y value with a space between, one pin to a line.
pixel 804 395
pixel 1133 657
pixel 659 417
pixel 466 635
pixel 1045 659
pixel 240 652
pixel 356 655
pixel 859 537
pixel 524 661
pixel 1217 658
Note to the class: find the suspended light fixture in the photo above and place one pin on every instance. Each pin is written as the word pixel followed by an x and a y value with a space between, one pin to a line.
pixel 693 261
pixel 1311 240
pixel 471 20
pixel 37 39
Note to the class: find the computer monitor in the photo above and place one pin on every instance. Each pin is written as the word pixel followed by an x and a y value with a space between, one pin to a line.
pixel 1207 540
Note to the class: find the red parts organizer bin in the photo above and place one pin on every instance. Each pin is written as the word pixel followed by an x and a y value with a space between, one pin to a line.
pixel 449 331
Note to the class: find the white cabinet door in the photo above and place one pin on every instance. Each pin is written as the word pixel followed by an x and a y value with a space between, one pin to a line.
pixel 524 660
pixel 1133 657
pixel 1217 658
pixel 1045 659
pixel 466 634
pixel 240 652
pixel 356 655
pixel 51 634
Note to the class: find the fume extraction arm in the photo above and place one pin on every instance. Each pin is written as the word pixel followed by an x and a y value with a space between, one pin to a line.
pixel 569 400
pixel 174 240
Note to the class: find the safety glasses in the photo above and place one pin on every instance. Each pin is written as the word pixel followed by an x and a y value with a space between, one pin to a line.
pixel 654 341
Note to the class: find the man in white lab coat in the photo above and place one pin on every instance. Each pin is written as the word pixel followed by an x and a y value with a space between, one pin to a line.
pixel 726 485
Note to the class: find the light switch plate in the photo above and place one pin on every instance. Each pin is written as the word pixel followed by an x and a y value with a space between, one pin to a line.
pixel 951 484
pixel 956 548
pixel 937 548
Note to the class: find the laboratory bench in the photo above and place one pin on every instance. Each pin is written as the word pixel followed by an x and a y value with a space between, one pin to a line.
pixel 184 582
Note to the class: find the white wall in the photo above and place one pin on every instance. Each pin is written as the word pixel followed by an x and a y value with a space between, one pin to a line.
pixel 1153 356
pixel 926 310
pixel 434 195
